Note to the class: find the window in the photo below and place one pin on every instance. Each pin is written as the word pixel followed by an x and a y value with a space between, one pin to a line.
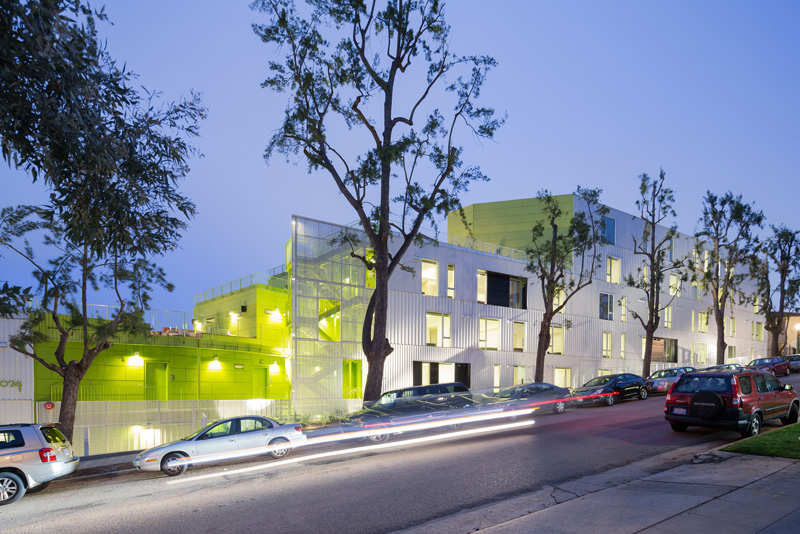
pixel 489 335
pixel 370 256
pixel 519 336
pixel 515 289
pixel 675 285
pixel 330 320
pixel 558 298
pixel 252 424
pixel 430 278
pixel 668 317
pixel 351 379
pixel 759 331
pixel 702 353
pixel 670 248
pixel 519 374
pixel 437 328
pixel 755 303
pixel 482 287
pixel 556 340
pixel 731 327
pixel 606 344
pixel 623 309
pixel 451 281
pixel 612 270
pixel 622 345
pixel 603 372
pixel 731 352
pixel 11 439
pixel 607 306
pixel 609 230
pixel 702 322
pixel 496 381
pixel 562 377
pixel 644 346
pixel 426 373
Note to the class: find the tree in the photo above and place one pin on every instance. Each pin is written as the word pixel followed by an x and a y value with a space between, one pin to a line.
pixel 112 160
pixel 563 258
pixel 782 250
pixel 727 236
pixel 354 78
pixel 655 206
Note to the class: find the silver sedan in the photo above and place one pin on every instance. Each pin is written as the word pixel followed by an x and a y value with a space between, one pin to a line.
pixel 223 440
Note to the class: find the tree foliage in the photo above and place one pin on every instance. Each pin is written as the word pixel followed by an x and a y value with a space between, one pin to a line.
pixel 655 206
pixel 361 77
pixel 564 259
pixel 112 158
pixel 727 235
pixel 775 268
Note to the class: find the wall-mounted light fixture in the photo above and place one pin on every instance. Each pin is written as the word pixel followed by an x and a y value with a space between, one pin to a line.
pixel 238 366
pixel 215 364
pixel 135 360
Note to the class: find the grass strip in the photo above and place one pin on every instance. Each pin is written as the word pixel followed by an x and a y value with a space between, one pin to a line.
pixel 781 443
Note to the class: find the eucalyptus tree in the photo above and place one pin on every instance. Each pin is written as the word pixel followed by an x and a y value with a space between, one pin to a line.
pixel 727 236
pixel 564 256
pixel 775 268
pixel 655 248
pixel 362 77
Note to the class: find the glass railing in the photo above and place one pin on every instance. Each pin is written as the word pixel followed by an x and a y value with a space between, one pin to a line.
pixel 275 278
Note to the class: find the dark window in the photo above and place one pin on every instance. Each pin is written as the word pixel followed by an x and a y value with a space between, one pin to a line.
pixel 607 306
pixel 664 350
pixel 772 383
pixel 507 291
pixel 761 384
pixel 11 439
pixel 609 230
pixel 462 374
pixel 745 385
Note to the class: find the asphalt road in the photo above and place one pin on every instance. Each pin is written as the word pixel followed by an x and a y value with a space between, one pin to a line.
pixel 375 489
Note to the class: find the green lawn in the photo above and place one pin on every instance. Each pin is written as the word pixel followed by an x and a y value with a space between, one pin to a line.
pixel 783 443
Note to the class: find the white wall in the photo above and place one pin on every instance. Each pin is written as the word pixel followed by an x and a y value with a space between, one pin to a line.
pixel 16 402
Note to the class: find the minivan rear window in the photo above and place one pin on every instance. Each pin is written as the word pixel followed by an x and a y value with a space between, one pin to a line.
pixel 745 385
pixel 693 384
pixel 53 435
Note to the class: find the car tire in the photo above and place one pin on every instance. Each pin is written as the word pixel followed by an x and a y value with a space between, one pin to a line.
pixel 172 464
pixel 40 487
pixel 678 427
pixel 706 405
pixel 279 452
pixel 378 438
pixel 754 428
pixel 642 393
pixel 559 407
pixel 11 488
pixel 788 372
pixel 791 417
pixel 610 400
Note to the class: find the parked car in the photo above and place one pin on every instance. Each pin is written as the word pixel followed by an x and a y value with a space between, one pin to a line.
pixel 537 395
pixel 223 440
pixel 776 366
pixel 609 389
pixel 31 455
pixel 725 366
pixel 396 397
pixel 730 400
pixel 794 362
pixel 661 381
pixel 391 413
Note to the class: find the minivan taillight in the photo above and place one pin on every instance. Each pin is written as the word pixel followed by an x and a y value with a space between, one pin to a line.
pixel 47 455
pixel 735 400
pixel 669 393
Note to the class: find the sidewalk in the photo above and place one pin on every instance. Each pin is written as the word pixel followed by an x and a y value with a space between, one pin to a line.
pixel 711 492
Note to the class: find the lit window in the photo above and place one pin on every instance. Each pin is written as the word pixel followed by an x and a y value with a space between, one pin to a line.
pixel 732 326
pixel 755 303
pixel 668 317
pixel 731 352
pixel 612 270
pixel 489 335
pixel 430 278
pixel 515 288
pixel 482 287
pixel 759 331
pixel 556 340
pixel 437 329
pixel 644 346
pixel 519 336
pixel 451 281
pixel 607 306
pixel 622 345
pixel 562 377
pixel 330 320
pixel 558 298
pixel 675 285
pixel 606 344
pixel 623 309
pixel 519 374
pixel 609 230
pixel 702 353
pixel 702 322
pixel 496 381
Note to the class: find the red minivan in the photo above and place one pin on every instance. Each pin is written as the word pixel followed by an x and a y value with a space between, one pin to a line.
pixel 730 400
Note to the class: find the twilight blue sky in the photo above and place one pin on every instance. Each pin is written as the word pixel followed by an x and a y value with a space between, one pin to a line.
pixel 596 93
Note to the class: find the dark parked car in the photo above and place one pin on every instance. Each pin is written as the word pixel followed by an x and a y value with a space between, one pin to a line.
pixel 725 366
pixel 730 400
pixel 661 381
pixel 394 410
pixel 776 366
pixel 537 396
pixel 609 389
pixel 794 362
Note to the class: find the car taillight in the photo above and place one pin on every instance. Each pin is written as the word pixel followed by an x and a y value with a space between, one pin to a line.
pixel 669 393
pixel 735 400
pixel 47 455
pixel 298 428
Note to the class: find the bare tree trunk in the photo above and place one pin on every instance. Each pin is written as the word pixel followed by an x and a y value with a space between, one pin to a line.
pixel 719 319
pixel 648 351
pixel 69 399
pixel 774 345
pixel 541 347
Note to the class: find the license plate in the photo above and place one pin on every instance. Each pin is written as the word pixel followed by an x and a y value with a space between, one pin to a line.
pixel 679 411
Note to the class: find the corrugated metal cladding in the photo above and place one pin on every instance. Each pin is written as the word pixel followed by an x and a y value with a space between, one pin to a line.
pixel 16 378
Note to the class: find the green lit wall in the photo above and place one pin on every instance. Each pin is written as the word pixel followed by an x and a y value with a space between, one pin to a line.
pixel 507 223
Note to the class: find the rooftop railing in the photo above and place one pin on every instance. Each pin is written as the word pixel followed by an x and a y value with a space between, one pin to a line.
pixel 271 279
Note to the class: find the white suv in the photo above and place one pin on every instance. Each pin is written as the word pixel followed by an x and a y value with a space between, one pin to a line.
pixel 30 457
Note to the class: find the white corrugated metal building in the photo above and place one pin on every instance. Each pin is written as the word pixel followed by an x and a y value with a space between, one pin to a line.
pixel 16 378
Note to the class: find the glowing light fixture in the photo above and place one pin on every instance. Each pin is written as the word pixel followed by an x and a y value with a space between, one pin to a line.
pixel 215 364
pixel 274 368
pixel 198 326
pixel 135 360
pixel 276 317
